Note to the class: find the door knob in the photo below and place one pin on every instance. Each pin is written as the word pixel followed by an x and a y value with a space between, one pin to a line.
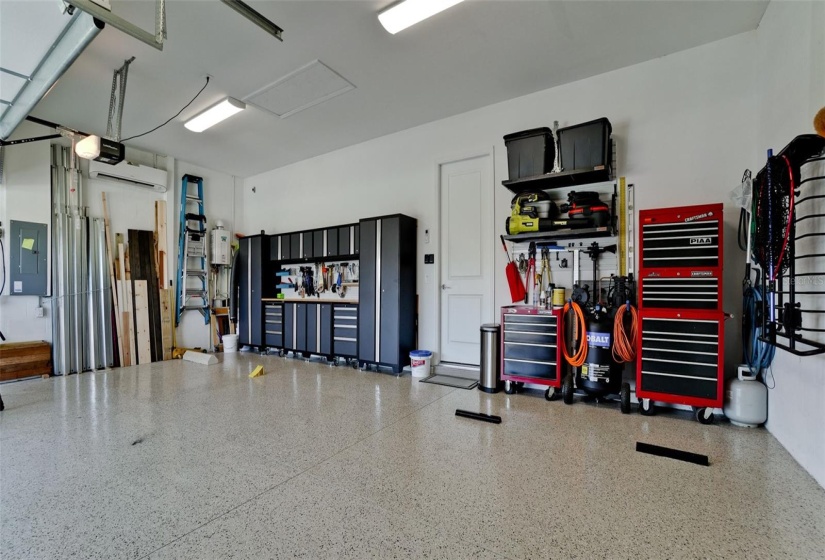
pixel 445 287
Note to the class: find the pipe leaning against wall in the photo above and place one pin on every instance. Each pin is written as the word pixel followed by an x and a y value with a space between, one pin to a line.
pixel 82 306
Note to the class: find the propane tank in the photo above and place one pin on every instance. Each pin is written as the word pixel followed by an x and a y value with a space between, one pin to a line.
pixel 746 400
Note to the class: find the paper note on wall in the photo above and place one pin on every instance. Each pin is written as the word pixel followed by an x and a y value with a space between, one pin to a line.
pixel 28 244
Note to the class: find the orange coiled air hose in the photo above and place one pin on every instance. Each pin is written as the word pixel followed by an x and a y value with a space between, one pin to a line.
pixel 580 334
pixel 624 345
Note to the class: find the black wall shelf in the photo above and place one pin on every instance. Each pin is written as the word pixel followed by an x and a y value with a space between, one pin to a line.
pixel 559 180
pixel 561 234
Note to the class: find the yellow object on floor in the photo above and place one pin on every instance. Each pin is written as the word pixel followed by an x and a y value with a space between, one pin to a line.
pixel 257 372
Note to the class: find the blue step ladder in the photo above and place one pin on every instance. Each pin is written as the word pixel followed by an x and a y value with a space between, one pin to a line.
pixel 193 277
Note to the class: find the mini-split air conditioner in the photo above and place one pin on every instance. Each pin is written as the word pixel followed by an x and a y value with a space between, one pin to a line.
pixel 125 173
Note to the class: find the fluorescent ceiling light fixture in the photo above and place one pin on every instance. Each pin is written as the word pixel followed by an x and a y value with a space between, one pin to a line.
pixel 409 12
pixel 89 147
pixel 224 109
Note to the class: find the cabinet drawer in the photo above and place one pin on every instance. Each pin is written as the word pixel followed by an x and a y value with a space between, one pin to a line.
pixel 345 332
pixel 524 351
pixel 540 338
pixel 344 347
pixel 530 319
pixel 529 368
pixel 343 311
pixel 274 338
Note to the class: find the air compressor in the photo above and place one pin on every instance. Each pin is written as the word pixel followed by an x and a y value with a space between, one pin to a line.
pixel 595 344
pixel 600 374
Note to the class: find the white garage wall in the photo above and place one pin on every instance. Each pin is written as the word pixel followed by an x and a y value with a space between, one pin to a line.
pixel 25 196
pixel 791 84
pixel 684 124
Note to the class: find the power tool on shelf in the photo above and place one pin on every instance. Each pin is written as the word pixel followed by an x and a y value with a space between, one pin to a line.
pixel 586 206
pixel 531 212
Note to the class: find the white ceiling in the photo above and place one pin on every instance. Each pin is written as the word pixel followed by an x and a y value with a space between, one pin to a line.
pixel 475 54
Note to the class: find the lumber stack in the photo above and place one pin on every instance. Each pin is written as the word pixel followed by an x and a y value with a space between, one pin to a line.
pixel 25 359
pixel 143 305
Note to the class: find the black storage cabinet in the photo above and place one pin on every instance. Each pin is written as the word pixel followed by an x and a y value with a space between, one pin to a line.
pixel 254 281
pixel 387 299
pixel 530 152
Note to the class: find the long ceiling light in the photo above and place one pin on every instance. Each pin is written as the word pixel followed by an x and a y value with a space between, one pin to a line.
pixel 224 109
pixel 409 12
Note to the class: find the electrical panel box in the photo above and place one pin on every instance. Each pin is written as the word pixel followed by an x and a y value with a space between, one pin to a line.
pixel 220 247
pixel 28 259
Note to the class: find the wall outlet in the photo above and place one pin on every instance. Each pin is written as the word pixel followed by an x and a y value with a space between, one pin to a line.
pixel 39 312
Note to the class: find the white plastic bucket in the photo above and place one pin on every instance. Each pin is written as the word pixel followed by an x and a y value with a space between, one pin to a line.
pixel 230 343
pixel 420 362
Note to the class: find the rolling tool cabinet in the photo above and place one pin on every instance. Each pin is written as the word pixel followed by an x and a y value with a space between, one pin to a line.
pixel 530 351
pixel 273 324
pixel 680 353
pixel 345 330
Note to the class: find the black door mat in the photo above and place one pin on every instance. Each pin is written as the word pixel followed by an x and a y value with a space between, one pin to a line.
pixel 450 381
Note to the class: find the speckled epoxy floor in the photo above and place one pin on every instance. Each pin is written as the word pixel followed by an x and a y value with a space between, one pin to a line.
pixel 176 460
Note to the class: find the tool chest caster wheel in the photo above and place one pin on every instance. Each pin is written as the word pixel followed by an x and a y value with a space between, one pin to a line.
pixel 624 395
pixel 510 387
pixel 550 394
pixel 567 389
pixel 704 415
pixel 646 407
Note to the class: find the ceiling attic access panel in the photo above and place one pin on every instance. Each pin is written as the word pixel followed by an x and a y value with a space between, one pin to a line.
pixel 301 89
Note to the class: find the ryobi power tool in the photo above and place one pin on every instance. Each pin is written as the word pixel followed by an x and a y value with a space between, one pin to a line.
pixel 531 212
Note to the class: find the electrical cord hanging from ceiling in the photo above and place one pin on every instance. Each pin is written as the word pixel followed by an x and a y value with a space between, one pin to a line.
pixel 171 118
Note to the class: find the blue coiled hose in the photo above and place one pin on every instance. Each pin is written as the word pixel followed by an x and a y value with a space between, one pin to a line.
pixel 758 354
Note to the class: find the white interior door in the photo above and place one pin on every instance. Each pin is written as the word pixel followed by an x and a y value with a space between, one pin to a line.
pixel 466 256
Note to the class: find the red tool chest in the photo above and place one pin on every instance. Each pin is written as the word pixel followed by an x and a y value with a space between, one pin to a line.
pixel 530 351
pixel 681 343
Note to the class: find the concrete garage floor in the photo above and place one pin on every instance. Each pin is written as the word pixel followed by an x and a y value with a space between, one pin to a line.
pixel 176 460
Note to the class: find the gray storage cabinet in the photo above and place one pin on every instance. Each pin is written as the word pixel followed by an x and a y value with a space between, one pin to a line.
pixel 387 299
pixel 253 259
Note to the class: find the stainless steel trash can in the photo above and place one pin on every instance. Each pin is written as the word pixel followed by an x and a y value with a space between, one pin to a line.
pixel 490 376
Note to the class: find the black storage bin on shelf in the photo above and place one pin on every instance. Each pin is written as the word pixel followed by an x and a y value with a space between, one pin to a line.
pixel 586 146
pixel 530 152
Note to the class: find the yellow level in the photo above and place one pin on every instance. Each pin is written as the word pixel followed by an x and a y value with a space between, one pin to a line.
pixel 623 218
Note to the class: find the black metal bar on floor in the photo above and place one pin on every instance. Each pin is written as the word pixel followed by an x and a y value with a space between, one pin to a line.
pixel 671 453
pixel 478 416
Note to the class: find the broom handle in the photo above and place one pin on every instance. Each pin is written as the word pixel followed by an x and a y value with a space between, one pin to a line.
pixel 506 252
